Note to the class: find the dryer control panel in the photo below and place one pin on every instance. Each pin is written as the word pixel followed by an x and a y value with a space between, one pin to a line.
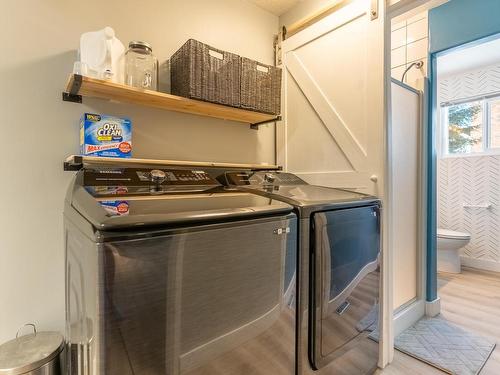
pixel 245 178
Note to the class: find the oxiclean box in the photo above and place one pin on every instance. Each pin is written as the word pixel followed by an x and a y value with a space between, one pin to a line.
pixel 103 135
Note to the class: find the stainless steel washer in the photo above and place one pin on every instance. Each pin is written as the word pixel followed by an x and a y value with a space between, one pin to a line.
pixel 167 273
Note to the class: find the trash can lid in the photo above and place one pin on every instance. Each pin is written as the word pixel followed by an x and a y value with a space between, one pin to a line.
pixel 29 352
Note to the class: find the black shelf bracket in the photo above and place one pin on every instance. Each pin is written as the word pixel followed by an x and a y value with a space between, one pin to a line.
pixel 72 95
pixel 73 164
pixel 257 124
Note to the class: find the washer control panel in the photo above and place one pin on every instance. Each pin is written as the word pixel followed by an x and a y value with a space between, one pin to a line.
pixel 144 176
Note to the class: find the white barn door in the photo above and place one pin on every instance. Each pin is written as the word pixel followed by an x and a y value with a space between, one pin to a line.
pixel 333 100
pixel 334 114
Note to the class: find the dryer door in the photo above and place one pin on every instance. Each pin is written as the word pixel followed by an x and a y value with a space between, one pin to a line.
pixel 345 287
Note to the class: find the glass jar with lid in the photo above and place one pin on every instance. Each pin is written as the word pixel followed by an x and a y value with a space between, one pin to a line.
pixel 141 66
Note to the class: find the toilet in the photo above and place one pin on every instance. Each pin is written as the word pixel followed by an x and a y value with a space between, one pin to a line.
pixel 449 243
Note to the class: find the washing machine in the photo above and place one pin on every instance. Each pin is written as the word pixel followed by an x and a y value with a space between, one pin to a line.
pixel 168 273
pixel 339 270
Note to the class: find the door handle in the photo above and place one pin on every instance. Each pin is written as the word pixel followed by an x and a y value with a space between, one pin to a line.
pixel 373 9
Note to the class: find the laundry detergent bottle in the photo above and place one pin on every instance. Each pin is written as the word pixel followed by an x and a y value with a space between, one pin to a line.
pixel 101 52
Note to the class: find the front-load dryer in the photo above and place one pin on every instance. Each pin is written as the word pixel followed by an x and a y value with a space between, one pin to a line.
pixel 339 270
pixel 169 274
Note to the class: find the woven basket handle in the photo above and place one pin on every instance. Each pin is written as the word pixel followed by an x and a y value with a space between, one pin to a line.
pixel 262 68
pixel 216 54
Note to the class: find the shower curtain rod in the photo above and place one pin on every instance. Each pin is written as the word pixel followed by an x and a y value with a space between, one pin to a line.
pixel 470 99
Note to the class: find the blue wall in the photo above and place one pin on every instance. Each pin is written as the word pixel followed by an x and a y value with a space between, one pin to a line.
pixel 462 21
pixel 431 284
pixel 451 25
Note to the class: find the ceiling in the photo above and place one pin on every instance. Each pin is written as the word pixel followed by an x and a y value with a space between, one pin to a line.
pixel 483 54
pixel 276 7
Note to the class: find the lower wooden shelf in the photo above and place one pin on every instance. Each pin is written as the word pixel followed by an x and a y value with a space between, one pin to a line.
pixel 76 162
pixel 79 86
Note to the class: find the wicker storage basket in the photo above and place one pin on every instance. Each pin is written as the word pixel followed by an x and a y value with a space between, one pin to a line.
pixel 260 87
pixel 201 72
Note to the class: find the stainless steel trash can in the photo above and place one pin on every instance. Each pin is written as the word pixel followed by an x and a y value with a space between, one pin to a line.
pixel 39 353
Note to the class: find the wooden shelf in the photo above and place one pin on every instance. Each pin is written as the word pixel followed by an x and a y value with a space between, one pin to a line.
pixel 76 162
pixel 79 86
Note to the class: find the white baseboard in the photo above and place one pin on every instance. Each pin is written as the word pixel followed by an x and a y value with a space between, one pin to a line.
pixel 482 264
pixel 433 308
pixel 408 316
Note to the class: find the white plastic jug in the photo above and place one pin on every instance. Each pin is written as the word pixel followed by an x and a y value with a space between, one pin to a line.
pixel 101 52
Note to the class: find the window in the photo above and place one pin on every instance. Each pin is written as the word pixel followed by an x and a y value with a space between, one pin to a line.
pixel 471 127
pixel 494 111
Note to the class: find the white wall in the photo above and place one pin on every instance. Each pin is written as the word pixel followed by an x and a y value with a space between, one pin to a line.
pixel 39 39
pixel 409 44
pixel 303 9
pixel 471 179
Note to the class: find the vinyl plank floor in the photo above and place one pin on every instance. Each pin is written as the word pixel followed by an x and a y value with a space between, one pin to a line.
pixel 470 300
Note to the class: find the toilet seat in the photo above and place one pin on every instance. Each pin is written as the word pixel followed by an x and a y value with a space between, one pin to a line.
pixel 451 234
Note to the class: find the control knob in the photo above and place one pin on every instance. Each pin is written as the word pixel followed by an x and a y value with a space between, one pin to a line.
pixel 269 177
pixel 157 176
